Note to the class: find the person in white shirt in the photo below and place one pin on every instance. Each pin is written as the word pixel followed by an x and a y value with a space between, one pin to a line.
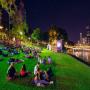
pixel 36 68
pixel 39 59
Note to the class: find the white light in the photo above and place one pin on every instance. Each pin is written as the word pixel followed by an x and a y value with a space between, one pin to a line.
pixel 58 44
pixel 21 33
pixel 1 27
pixel 29 38
pixel 13 38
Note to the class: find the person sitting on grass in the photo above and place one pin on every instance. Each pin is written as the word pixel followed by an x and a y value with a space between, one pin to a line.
pixel 44 60
pixel 45 76
pixel 49 60
pixel 11 72
pixel 34 53
pixel 39 59
pixel 50 73
pixel 23 71
pixel 36 68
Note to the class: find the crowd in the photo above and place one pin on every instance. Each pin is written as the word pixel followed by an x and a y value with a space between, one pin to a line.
pixel 40 78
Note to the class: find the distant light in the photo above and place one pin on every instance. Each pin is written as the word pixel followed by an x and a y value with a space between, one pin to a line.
pixel 21 33
pixel 1 27
pixel 29 38
pixel 59 44
pixel 13 38
pixel 88 27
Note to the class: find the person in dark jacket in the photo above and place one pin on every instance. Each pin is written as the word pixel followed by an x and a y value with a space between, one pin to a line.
pixel 11 72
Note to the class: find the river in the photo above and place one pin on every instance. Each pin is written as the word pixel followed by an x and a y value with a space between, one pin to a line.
pixel 83 54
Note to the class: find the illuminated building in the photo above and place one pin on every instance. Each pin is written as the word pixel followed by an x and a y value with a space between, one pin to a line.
pixel 88 37
pixel 81 38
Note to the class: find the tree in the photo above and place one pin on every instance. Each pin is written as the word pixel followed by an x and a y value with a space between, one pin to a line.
pixel 56 33
pixel 36 35
pixel 17 17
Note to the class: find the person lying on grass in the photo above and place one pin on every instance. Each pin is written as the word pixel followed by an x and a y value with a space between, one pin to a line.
pixel 23 71
pixel 11 72
pixel 28 56
pixel 39 82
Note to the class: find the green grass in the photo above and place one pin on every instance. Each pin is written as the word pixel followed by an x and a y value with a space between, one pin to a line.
pixel 70 74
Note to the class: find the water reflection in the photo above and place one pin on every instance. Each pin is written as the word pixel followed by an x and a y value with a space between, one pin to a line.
pixel 83 54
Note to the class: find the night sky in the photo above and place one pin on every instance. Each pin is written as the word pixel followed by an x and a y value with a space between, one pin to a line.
pixel 73 15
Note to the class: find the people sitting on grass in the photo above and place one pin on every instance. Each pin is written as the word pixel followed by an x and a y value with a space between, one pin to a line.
pixel 49 60
pixel 5 54
pixel 39 82
pixel 44 60
pixel 42 78
pixel 29 56
pixel 34 53
pixel 50 73
pixel 23 71
pixel 36 68
pixel 13 60
pixel 11 72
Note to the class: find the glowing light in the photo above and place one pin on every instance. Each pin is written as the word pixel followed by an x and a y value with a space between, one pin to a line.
pixel 29 38
pixel 21 33
pixel 13 38
pixel 58 44
pixel 1 27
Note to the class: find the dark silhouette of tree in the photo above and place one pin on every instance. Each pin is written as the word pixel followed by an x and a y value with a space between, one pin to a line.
pixel 36 35
pixel 57 33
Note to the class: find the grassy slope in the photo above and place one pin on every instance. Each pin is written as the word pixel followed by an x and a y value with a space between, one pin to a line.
pixel 70 74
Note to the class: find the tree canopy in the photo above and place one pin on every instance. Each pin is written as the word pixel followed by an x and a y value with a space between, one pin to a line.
pixel 17 18
pixel 57 33
pixel 36 35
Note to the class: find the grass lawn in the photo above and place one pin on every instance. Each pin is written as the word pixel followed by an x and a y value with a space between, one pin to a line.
pixel 70 74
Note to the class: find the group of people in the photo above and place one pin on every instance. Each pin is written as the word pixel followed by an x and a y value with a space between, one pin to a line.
pixel 45 60
pixel 42 78
pixel 12 73
pixel 31 53
pixel 14 60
